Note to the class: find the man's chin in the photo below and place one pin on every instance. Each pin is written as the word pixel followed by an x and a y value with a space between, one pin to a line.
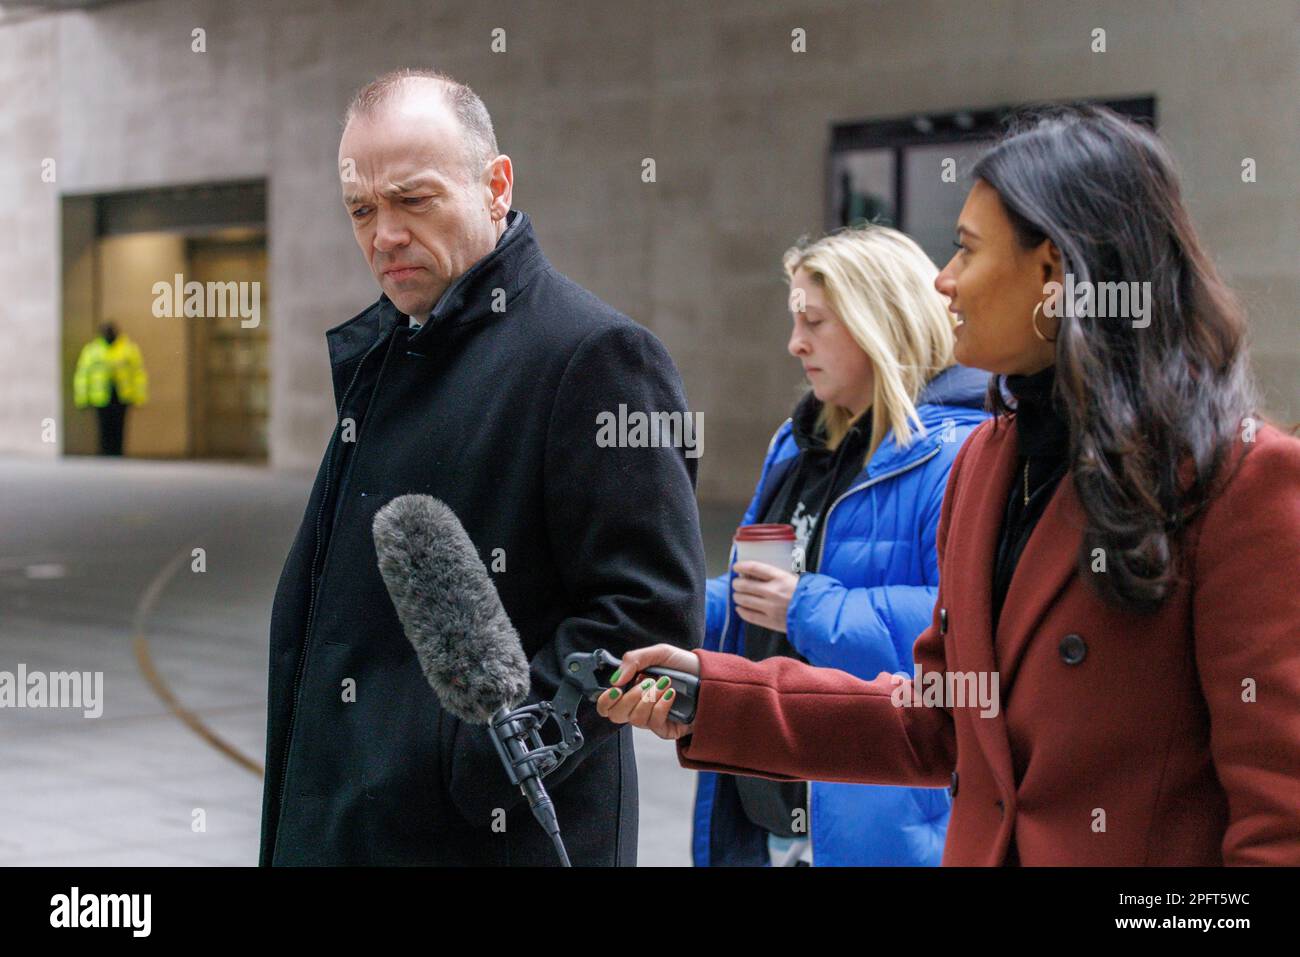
pixel 411 304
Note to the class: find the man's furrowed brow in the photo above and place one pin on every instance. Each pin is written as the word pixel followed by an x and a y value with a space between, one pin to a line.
pixel 409 184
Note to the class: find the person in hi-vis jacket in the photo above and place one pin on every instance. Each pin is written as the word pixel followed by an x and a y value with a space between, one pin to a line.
pixel 110 377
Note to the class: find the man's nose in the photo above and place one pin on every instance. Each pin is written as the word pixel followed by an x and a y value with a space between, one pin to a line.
pixel 389 232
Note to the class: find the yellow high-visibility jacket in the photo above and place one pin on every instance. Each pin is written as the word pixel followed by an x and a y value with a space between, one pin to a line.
pixel 98 361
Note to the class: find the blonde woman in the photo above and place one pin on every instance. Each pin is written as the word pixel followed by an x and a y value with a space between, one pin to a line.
pixel 859 470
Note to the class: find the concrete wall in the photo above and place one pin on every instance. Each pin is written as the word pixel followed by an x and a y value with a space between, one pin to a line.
pixel 736 122
pixel 79 432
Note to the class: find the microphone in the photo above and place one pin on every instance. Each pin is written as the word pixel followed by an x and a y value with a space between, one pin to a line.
pixel 463 639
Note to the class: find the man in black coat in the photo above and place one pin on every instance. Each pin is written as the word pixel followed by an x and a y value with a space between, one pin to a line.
pixel 480 377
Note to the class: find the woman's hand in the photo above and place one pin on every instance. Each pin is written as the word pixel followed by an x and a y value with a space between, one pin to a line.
pixel 646 704
pixel 762 594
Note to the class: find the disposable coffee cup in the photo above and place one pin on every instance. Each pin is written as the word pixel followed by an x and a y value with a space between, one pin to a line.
pixel 769 544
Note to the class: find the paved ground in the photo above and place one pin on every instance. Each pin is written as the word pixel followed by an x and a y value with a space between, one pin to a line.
pixel 94 552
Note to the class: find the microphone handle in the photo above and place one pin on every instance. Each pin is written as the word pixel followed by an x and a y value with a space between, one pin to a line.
pixel 530 782
pixel 544 812
pixel 686 688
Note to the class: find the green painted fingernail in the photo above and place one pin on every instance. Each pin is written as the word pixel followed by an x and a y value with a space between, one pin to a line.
pixel 668 695
pixel 613 694
pixel 662 683
pixel 645 685
pixel 613 679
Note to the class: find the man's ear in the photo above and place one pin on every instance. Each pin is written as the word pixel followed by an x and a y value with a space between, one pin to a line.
pixel 500 186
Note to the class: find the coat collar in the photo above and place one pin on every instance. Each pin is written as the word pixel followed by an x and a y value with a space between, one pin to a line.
pixel 510 266
pixel 1043 571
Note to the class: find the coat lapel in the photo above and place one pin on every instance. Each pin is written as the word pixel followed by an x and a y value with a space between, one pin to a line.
pixel 968 589
pixel 1045 567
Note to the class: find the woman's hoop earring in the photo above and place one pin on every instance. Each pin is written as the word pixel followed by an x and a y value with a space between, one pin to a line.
pixel 1034 323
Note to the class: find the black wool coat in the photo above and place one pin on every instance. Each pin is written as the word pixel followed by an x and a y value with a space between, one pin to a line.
pixel 494 411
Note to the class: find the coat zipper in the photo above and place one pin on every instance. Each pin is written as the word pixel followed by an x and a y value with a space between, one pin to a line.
pixel 821 549
pixel 311 605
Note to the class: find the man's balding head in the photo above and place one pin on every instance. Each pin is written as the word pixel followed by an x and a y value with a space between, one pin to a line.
pixel 425 189
pixel 480 139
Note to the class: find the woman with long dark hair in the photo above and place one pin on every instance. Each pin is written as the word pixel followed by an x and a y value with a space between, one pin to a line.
pixel 1112 675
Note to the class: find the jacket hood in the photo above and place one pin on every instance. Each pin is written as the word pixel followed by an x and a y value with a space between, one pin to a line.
pixel 959 386
pixel 956 394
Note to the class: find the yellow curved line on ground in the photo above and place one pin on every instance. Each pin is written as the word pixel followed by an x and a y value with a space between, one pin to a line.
pixel 145 660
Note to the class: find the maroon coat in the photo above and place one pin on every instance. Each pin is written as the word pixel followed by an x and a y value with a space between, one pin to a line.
pixel 1172 738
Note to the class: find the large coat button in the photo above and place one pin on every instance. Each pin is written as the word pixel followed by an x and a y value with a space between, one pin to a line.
pixel 943 621
pixel 1073 649
pixel 952 788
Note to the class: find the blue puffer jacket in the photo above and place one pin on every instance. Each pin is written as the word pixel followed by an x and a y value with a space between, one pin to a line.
pixel 872 595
